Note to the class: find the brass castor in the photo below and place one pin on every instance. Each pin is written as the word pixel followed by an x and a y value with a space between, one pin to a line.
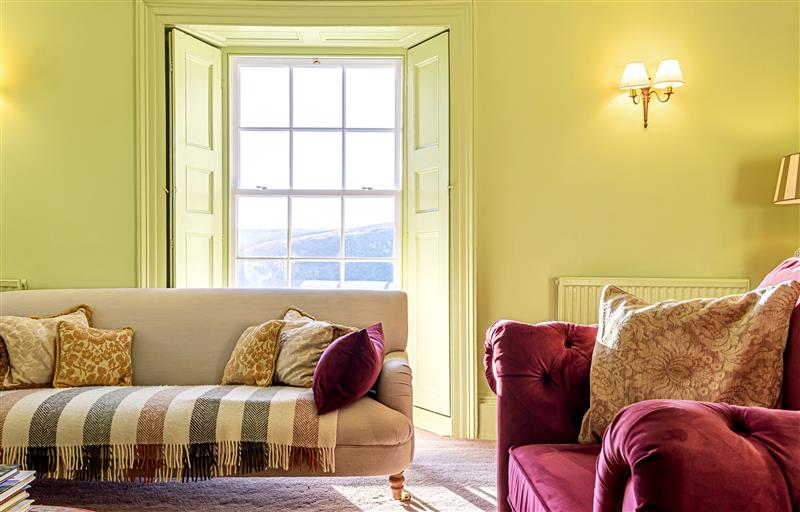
pixel 396 481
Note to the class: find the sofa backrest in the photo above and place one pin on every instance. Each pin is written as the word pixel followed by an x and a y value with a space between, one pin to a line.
pixel 185 336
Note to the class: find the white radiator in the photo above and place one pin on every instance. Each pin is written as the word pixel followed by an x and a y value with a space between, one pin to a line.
pixel 13 284
pixel 578 298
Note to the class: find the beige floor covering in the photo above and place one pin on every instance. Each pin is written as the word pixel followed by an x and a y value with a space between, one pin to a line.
pixel 447 475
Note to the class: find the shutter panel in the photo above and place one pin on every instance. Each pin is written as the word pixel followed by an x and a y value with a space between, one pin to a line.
pixel 198 246
pixel 427 221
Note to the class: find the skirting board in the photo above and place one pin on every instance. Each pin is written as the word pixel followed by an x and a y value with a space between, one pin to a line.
pixel 487 417
pixel 432 422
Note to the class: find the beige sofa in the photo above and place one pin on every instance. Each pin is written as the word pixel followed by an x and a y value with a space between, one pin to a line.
pixel 184 337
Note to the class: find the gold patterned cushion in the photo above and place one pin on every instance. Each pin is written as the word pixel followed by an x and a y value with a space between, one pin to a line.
pixel 30 344
pixel 86 356
pixel 713 350
pixel 253 358
pixel 302 342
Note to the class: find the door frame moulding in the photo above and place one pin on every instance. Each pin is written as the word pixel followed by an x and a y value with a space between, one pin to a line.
pixel 154 16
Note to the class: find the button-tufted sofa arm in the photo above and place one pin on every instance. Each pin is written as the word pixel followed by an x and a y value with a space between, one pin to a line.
pixel 540 374
pixel 695 456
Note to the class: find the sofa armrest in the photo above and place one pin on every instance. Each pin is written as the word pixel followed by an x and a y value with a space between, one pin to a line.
pixel 394 384
pixel 540 374
pixel 695 456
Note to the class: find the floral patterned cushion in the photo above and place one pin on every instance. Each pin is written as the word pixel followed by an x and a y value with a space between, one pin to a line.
pixel 27 355
pixel 86 356
pixel 713 350
pixel 252 361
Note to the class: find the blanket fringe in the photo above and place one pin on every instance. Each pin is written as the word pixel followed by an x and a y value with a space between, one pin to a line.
pixel 163 463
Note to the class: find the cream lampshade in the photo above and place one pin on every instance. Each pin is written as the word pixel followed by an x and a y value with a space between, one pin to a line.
pixel 634 76
pixel 668 75
pixel 787 191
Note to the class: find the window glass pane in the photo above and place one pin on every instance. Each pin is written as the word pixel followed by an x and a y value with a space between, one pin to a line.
pixel 369 227
pixel 376 275
pixel 317 160
pixel 317 97
pixel 315 274
pixel 316 226
pixel 370 97
pixel 263 96
pixel 262 226
pixel 261 274
pixel 263 159
pixel 370 160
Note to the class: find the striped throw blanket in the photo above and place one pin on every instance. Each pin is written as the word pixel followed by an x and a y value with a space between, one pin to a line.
pixel 164 432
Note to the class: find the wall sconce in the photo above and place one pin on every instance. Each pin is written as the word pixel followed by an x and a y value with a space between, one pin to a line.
pixel 635 79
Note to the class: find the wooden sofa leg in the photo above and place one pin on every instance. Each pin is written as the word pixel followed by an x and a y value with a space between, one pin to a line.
pixel 396 481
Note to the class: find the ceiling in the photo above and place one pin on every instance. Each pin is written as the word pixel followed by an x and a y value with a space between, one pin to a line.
pixel 341 37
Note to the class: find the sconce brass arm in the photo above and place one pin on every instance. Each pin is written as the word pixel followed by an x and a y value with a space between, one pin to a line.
pixel 667 93
pixel 647 94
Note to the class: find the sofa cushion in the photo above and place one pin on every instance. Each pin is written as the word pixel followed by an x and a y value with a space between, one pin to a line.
pixel 348 368
pixel 252 361
pixel 552 477
pixel 728 349
pixel 31 345
pixel 303 340
pixel 88 356
pixel 789 269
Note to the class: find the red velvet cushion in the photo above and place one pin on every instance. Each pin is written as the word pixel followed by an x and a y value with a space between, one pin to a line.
pixel 348 368
pixel 549 477
pixel 786 271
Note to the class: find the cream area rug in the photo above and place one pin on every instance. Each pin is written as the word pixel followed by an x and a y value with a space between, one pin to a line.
pixel 447 475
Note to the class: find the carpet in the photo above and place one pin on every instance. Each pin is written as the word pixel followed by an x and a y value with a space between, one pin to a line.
pixel 446 475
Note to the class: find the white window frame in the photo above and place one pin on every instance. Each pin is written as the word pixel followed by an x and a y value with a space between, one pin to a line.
pixel 237 61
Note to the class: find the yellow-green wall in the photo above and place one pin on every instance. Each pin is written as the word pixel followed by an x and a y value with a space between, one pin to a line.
pixel 568 181
pixel 67 210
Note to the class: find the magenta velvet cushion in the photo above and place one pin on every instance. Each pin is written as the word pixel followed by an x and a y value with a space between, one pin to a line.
pixel 348 368
pixel 789 270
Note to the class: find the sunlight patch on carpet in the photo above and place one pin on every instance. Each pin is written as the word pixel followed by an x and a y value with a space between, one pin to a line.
pixel 491 491
pixel 423 499
pixel 491 499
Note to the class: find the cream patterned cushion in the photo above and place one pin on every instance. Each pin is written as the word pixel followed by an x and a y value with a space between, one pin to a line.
pixel 253 358
pixel 302 342
pixel 86 356
pixel 714 350
pixel 31 343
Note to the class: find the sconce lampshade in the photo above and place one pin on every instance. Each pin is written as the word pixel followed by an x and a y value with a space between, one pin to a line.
pixel 787 191
pixel 635 76
pixel 668 75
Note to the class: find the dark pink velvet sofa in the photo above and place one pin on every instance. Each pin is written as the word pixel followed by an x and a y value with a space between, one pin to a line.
pixel 658 455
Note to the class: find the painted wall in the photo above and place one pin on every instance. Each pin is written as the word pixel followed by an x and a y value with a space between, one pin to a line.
pixel 568 181
pixel 67 211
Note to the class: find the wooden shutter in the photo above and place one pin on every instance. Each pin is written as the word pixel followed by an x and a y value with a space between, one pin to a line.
pixel 198 247
pixel 427 221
